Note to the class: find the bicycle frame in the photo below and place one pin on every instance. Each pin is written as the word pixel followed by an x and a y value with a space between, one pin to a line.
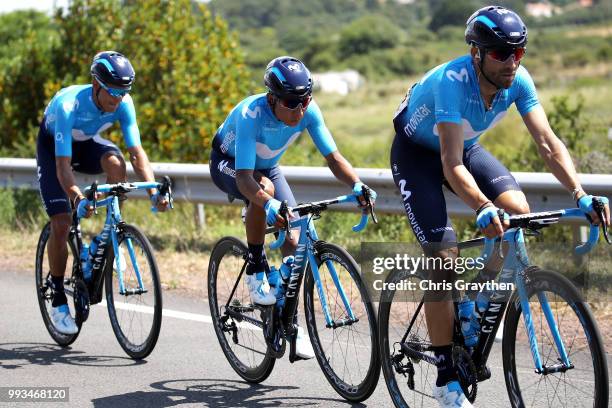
pixel 305 255
pixel 110 232
pixel 514 270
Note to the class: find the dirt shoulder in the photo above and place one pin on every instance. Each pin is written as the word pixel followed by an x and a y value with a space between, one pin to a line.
pixel 179 271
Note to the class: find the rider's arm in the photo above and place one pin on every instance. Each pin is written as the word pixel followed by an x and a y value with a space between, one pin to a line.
pixel 131 136
pixel 324 141
pixel 66 178
pixel 250 188
pixel 142 166
pixel 457 175
pixel 63 150
pixel 551 148
pixel 341 168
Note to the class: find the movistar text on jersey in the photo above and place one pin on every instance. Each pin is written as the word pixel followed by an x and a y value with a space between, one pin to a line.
pixel 413 264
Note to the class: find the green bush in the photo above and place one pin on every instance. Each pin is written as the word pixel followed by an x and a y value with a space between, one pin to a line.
pixel 368 34
pixel 7 207
pixel 189 71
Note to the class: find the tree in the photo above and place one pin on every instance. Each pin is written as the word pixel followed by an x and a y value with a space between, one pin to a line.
pixel 189 71
pixel 451 12
pixel 367 34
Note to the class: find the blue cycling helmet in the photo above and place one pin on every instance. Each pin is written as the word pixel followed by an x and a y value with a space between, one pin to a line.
pixel 113 69
pixel 288 78
pixel 495 27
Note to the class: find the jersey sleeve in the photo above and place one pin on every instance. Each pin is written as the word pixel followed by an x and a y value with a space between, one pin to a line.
pixel 246 137
pixel 448 91
pixel 127 119
pixel 527 96
pixel 64 121
pixel 318 131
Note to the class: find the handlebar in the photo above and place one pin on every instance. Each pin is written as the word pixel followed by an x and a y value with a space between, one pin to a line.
pixel 164 187
pixel 535 221
pixel 317 207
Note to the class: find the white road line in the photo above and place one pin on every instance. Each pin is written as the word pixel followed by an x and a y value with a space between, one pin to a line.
pixel 165 312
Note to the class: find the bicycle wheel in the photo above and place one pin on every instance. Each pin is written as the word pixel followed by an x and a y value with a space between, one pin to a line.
pixel 44 292
pixel 136 312
pixel 585 385
pixel 347 354
pixel 242 343
pixel 410 381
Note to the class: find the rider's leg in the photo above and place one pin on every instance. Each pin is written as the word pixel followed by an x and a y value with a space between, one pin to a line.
pixel 114 167
pixel 58 209
pixel 255 223
pixel 498 184
pixel 440 315
pixel 418 174
pixel 282 192
pixel 57 249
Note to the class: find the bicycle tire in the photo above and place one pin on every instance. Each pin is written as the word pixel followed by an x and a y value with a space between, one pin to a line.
pixel 555 283
pixel 352 388
pixel 134 306
pixel 44 292
pixel 226 260
pixel 418 390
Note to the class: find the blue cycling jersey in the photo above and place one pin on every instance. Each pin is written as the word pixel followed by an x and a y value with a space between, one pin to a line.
pixel 73 115
pixel 450 93
pixel 257 139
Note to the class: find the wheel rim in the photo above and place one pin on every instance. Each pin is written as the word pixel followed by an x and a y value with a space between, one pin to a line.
pixel 136 314
pixel 347 351
pixel 250 353
pixel 574 388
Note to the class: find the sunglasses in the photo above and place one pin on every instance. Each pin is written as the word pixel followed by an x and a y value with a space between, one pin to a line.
pixel 114 92
pixel 502 55
pixel 294 104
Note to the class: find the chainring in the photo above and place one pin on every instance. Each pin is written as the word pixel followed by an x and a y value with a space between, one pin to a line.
pixel 466 369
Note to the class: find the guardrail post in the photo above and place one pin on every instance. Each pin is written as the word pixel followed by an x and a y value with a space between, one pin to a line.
pixel 200 215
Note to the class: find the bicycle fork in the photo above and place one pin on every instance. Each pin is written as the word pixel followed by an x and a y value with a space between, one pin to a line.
pixel 115 217
pixel 329 322
pixel 519 263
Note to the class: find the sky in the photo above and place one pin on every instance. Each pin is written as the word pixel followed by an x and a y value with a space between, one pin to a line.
pixel 42 5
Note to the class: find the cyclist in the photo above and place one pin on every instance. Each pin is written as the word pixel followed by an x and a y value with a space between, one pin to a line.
pixel 438 125
pixel 69 138
pixel 244 162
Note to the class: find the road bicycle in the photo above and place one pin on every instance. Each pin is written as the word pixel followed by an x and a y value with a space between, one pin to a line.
pixel 339 314
pixel 123 264
pixel 554 358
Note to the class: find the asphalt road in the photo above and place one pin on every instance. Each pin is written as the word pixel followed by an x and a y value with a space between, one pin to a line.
pixel 187 367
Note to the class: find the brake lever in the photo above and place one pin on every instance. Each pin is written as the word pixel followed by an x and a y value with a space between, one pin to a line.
pixel 502 216
pixel 166 189
pixel 284 212
pixel 368 198
pixel 91 196
pixel 599 208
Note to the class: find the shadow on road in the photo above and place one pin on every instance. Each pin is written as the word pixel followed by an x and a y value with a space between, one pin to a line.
pixel 213 393
pixel 16 355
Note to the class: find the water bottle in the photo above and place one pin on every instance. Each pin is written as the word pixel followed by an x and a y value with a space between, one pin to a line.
pixel 470 327
pixel 278 279
pixel 286 266
pixel 84 255
pixel 482 302
pixel 276 285
pixel 87 269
